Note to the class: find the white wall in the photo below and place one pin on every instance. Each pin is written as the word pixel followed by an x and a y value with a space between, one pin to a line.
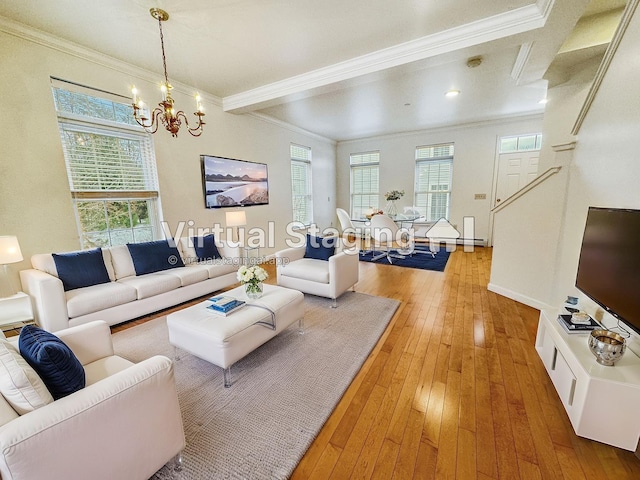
pixel 473 165
pixel 35 203
pixel 604 171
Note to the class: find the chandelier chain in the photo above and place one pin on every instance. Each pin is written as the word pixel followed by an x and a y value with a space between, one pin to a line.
pixel 164 59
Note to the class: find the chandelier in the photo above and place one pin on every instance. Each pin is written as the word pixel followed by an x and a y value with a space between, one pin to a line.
pixel 165 112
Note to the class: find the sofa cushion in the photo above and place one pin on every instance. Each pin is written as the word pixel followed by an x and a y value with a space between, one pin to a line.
pixel 152 284
pixel 81 269
pixel 105 367
pixel 7 413
pixel 320 248
pixel 189 275
pixel 45 263
pixel 53 360
pixel 218 267
pixel 307 269
pixel 206 248
pixel 83 301
pixel 20 385
pixel 122 263
pixel 150 257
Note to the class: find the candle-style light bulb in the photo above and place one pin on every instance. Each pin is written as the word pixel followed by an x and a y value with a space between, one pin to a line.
pixel 134 92
pixel 163 89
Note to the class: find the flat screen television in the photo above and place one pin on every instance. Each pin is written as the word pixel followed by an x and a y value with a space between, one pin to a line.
pixel 609 265
pixel 230 183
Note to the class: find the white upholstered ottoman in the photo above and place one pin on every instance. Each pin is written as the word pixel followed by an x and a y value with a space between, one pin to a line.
pixel 225 340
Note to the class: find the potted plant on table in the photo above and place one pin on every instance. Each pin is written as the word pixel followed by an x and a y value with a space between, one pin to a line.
pixel 252 278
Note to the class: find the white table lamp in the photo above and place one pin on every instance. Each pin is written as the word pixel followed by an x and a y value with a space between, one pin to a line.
pixel 9 253
pixel 236 218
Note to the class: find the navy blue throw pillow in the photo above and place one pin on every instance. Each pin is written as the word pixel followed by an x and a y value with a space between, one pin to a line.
pixel 81 269
pixel 206 248
pixel 54 362
pixel 320 248
pixel 149 257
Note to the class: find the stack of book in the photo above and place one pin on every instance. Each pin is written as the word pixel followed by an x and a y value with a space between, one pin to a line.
pixel 570 327
pixel 224 305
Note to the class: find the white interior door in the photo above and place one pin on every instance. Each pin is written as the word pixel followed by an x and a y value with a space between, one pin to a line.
pixel 515 170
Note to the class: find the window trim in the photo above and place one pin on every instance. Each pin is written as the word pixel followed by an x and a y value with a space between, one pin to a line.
pixel 363 165
pixel 307 163
pixel 148 176
pixel 441 160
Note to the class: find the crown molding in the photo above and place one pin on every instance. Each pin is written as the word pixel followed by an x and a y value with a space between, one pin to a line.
pixel 39 37
pixel 448 128
pixel 488 29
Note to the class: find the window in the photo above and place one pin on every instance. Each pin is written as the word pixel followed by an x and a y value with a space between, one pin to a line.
pixel 434 169
pixel 365 182
pixel 521 143
pixel 111 169
pixel 301 184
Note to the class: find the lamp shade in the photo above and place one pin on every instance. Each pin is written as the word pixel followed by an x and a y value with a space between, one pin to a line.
pixel 236 218
pixel 9 250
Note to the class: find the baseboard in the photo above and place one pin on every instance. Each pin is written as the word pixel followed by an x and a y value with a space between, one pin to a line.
pixel 518 297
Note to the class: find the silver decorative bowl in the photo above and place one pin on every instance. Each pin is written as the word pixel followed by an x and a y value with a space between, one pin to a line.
pixel 608 347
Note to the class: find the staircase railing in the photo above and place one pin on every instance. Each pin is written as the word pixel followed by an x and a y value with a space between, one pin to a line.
pixel 529 186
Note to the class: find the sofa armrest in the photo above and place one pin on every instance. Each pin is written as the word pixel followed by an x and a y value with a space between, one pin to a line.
pixel 49 301
pixel 125 426
pixel 89 342
pixel 344 271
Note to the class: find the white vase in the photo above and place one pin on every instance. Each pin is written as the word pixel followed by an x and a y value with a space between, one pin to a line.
pixel 391 209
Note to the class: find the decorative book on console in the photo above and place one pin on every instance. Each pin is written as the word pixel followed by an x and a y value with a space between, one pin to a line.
pixel 570 327
pixel 224 304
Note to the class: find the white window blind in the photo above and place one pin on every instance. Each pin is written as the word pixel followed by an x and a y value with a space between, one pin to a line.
pixel 365 182
pixel 301 200
pixel 100 160
pixel 111 170
pixel 434 171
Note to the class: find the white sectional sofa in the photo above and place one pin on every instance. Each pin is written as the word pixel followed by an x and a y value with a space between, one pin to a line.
pixel 127 295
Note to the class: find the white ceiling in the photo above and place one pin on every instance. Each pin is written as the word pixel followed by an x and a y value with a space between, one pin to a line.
pixel 342 69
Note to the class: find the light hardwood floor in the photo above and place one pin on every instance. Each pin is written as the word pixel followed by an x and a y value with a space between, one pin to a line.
pixel 454 389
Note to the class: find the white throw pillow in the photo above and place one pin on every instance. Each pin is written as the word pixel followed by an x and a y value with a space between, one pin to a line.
pixel 20 385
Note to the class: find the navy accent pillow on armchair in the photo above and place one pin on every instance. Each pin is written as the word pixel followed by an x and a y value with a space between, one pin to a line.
pixel 149 257
pixel 205 248
pixel 81 269
pixel 53 361
pixel 320 248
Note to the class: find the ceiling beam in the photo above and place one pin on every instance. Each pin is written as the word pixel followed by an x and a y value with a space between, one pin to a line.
pixel 499 26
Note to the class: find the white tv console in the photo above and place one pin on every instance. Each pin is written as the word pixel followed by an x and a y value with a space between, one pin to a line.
pixel 602 402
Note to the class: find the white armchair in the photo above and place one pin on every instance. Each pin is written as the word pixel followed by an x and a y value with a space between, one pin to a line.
pixel 330 278
pixel 125 423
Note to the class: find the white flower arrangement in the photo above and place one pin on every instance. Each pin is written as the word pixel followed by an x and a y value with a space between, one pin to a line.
pixel 394 195
pixel 252 276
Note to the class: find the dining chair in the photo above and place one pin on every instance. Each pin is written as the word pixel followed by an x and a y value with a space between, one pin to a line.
pixel 387 235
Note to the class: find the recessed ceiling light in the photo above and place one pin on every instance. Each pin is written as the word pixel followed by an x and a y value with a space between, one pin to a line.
pixel 543 101
pixel 452 93
pixel 407 104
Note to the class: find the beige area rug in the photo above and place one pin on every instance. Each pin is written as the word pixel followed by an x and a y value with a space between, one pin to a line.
pixel 282 393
